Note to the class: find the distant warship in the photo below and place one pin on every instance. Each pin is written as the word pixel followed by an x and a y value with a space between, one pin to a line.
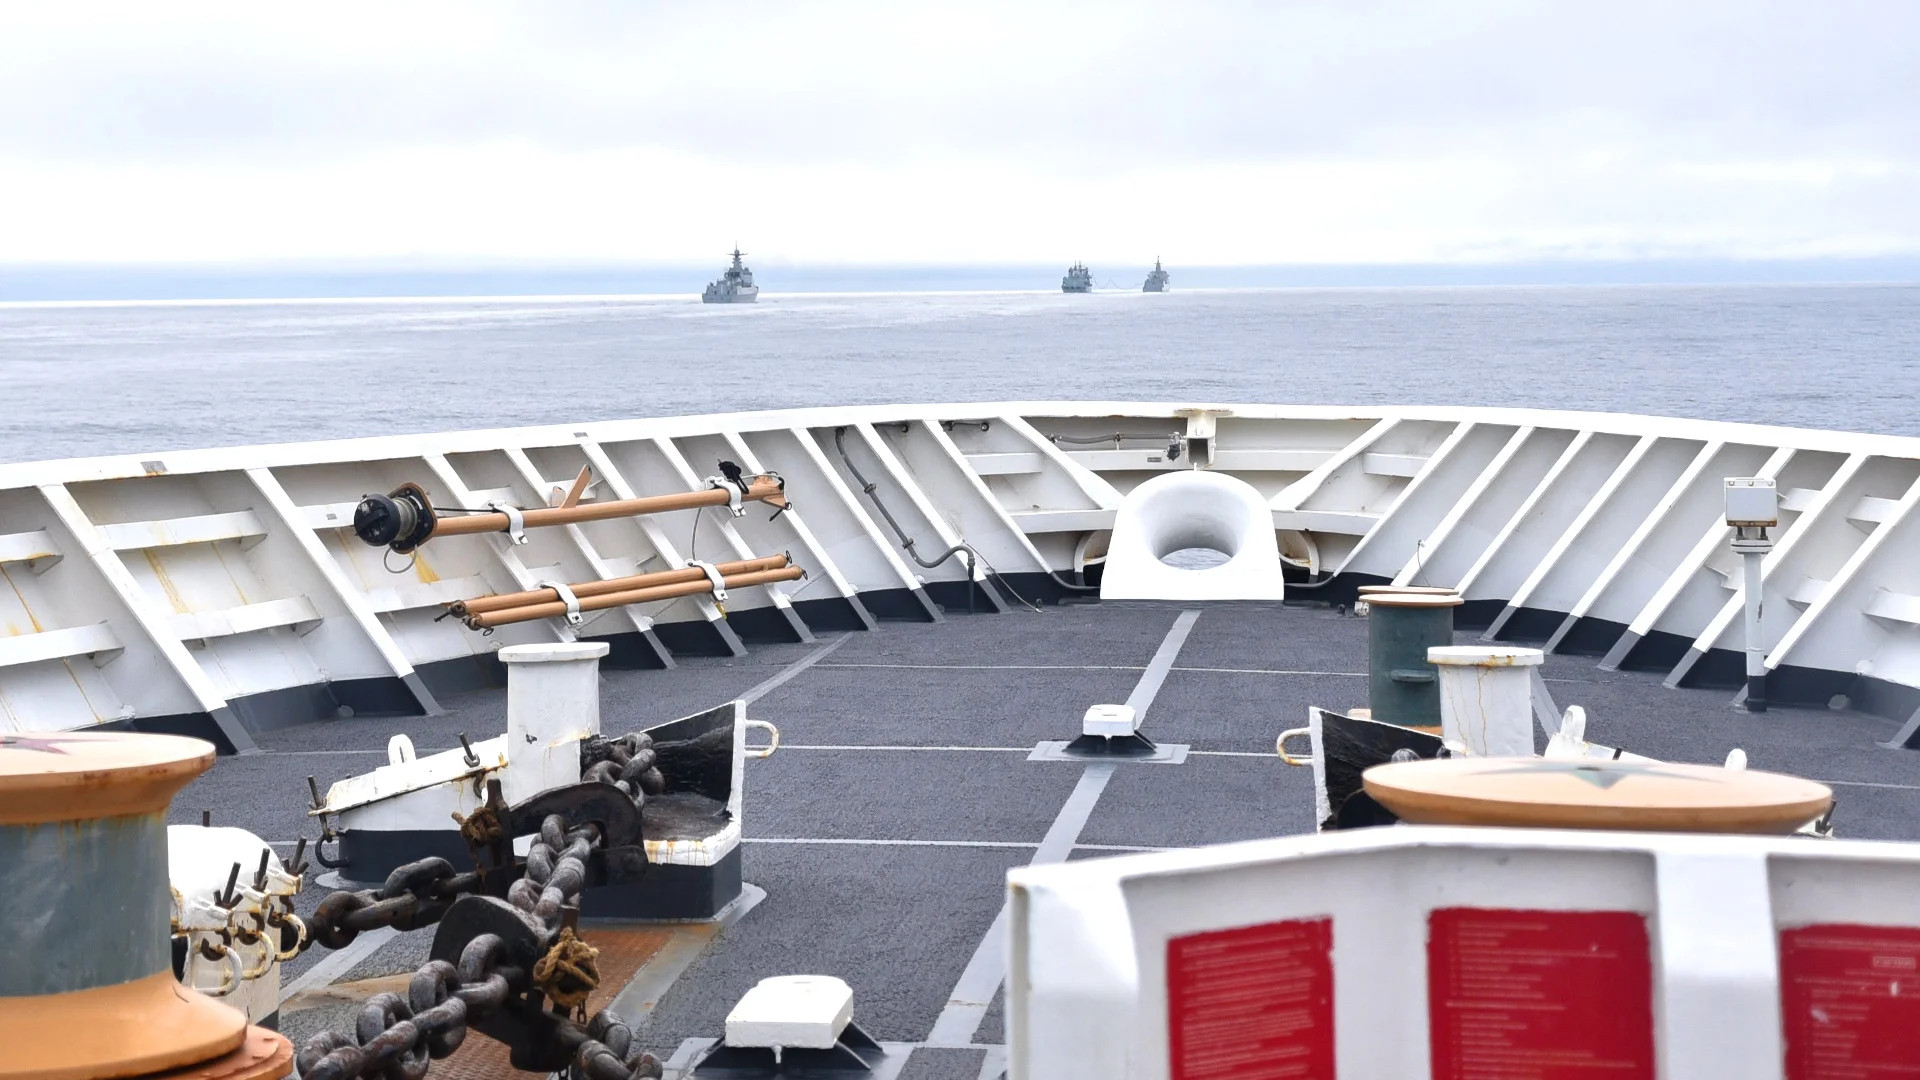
pixel 734 287
pixel 1156 281
pixel 1078 279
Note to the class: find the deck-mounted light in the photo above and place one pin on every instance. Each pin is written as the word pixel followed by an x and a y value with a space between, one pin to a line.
pixel 1753 507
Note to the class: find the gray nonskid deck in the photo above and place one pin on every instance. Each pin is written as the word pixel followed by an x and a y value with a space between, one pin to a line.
pixel 883 829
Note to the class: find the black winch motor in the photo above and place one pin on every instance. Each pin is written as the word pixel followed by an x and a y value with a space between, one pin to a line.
pixel 401 520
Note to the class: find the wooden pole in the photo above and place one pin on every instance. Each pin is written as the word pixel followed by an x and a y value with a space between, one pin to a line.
pixel 482 605
pixel 635 596
pixel 761 490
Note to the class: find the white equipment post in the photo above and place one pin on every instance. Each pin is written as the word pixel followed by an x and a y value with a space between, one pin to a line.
pixel 1753 507
pixel 553 702
pixel 1486 697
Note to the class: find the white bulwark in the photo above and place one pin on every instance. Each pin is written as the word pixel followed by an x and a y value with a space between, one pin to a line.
pixel 228 584
pixel 1461 952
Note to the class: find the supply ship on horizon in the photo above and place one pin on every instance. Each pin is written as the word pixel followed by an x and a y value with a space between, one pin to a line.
pixel 1079 279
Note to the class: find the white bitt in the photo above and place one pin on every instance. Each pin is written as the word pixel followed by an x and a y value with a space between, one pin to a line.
pixel 791 1012
pixel 1486 698
pixel 1110 720
pixel 1182 510
pixel 227 956
pixel 553 702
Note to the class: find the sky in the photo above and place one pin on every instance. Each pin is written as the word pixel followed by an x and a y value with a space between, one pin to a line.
pixel 825 133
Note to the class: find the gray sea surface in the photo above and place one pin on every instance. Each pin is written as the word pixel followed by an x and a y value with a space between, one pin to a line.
pixel 80 380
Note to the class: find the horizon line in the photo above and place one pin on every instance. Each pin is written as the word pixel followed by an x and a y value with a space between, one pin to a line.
pixel 573 298
pixel 77 284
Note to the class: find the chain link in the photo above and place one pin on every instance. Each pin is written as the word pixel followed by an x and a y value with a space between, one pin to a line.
pixel 395 1038
pixel 414 895
pixel 627 762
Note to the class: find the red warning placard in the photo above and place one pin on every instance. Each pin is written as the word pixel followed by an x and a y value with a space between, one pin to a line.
pixel 1539 995
pixel 1253 1003
pixel 1850 1001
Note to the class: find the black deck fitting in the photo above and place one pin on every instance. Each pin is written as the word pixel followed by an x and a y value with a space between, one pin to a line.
pixel 854 1055
pixel 1111 746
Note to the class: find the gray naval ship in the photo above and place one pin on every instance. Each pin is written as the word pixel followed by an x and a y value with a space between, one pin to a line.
pixel 1156 281
pixel 734 287
pixel 1078 279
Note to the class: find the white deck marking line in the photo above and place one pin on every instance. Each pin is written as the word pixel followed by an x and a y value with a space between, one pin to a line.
pixel 1162 662
pixel 1191 753
pixel 793 669
pixel 1127 667
pixel 994 667
pixel 1020 750
pixel 1093 667
pixel 864 746
pixel 1268 671
pixel 1027 844
pixel 1065 831
pixel 973 994
pixel 987 968
pixel 339 963
pixel 1871 784
pixel 676 1067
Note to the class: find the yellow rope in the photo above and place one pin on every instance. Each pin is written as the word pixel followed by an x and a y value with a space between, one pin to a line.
pixel 568 974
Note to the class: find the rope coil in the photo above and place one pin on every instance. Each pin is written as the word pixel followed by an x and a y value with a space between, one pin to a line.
pixel 568 974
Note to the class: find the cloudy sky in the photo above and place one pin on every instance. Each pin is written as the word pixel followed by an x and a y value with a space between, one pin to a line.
pixel 918 133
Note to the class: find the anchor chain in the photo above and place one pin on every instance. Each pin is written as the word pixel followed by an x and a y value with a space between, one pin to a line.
pixel 414 895
pixel 397 1037
pixel 626 761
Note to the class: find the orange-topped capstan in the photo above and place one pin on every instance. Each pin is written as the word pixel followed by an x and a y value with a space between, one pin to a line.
pixel 88 991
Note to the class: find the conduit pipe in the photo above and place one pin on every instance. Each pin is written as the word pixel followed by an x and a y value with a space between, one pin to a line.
pixel 405 518
pixel 485 604
pixel 973 558
pixel 763 489
pixel 492 619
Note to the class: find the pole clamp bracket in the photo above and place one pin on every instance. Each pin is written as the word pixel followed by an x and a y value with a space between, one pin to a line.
pixel 516 521
pixel 713 575
pixel 736 493
pixel 567 597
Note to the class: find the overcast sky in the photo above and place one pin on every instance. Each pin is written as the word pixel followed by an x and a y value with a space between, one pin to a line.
pixel 966 133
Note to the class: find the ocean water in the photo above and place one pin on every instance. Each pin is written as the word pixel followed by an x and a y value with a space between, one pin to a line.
pixel 129 378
